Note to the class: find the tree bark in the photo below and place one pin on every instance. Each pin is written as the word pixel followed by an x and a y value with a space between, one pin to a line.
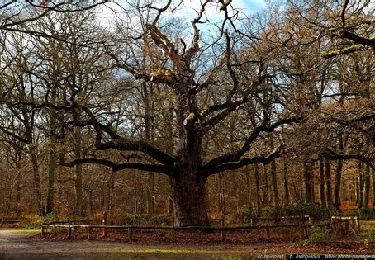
pixel 275 187
pixel 286 184
pixel 190 199
pixel 265 184
pixel 222 199
pixel 150 189
pixel 328 183
pixel 248 186
pixel 52 166
pixel 188 186
pixel 308 181
pixel 169 147
pixel 338 175
pixel 357 190
pixel 36 180
pixel 257 185
pixel 322 183
pixel 360 191
pixel 366 192
pixel 18 181
pixel 78 188
pixel 52 156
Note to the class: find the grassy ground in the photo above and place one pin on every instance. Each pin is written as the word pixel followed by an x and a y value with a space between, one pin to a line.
pixel 367 234
pixel 29 232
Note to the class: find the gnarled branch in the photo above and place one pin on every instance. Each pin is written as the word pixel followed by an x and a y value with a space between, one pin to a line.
pixel 214 169
pixel 157 168
pixel 124 144
pixel 235 157
pixel 332 155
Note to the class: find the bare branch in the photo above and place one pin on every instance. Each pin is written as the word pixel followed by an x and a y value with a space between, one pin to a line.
pixel 45 10
pixel 123 144
pixel 236 155
pixel 207 171
pixel 346 50
pixel 156 168
pixel 343 12
pixel 358 39
pixel 332 155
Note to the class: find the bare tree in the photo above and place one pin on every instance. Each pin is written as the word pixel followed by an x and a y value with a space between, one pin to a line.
pixel 197 114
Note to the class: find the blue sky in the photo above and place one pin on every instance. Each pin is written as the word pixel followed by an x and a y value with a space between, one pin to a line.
pixel 251 5
pixel 248 6
pixel 106 13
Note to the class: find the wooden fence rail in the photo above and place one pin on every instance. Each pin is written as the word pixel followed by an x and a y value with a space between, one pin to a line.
pixel 131 228
pixel 10 220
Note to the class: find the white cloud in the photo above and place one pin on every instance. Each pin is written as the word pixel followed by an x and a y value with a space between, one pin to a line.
pixel 188 10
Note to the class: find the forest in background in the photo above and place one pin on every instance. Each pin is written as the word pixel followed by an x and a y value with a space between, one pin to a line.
pixel 190 120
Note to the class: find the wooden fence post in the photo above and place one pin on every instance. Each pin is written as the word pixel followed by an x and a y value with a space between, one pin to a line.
pixel 43 231
pixel 357 222
pixel 174 235
pixel 105 222
pixel 88 233
pixel 69 232
pixel 222 235
pixel 130 233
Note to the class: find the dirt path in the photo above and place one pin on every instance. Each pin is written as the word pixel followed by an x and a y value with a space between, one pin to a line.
pixel 16 244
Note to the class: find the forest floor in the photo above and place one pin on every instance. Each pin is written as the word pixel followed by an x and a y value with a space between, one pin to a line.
pixel 26 244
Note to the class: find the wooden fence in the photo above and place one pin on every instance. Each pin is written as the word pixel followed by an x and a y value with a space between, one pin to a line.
pixel 10 220
pixel 303 227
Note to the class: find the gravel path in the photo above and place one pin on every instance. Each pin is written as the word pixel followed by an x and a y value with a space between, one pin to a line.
pixel 16 244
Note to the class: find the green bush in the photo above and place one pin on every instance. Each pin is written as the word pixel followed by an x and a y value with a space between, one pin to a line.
pixel 319 235
pixel 249 213
pixel 35 221
pixel 123 218
pixel 315 211
pixel 296 209
pixel 366 213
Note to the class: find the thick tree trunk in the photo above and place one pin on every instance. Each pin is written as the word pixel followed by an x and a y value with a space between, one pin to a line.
pixel 52 165
pixel 338 183
pixel 286 184
pixel 190 199
pixel 52 156
pixel 308 181
pixel 78 188
pixel 36 180
pixel 357 190
pixel 18 183
pixel 188 186
pixel 248 187
pixel 312 183
pixel 148 133
pixel 222 199
pixel 257 184
pixel 360 186
pixel 90 205
pixel 366 191
pixel 322 183
pixel 328 183
pixel 338 175
pixel 169 146
pixel 275 187
pixel 265 184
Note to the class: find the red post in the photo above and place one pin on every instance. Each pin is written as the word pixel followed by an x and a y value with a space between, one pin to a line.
pixel 105 222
